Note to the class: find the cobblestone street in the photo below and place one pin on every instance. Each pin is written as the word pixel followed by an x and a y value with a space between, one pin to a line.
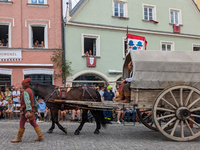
pixel 115 137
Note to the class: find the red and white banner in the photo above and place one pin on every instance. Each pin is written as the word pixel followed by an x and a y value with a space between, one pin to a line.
pixel 91 61
pixel 135 42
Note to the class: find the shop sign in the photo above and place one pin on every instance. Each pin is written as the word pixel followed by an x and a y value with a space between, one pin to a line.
pixel 10 55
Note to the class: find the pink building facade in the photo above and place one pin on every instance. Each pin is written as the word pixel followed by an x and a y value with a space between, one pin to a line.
pixel 30 31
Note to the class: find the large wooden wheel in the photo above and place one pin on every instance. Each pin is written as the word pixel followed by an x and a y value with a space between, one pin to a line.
pixel 180 104
pixel 148 119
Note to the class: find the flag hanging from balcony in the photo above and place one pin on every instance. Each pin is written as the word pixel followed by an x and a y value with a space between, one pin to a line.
pixel 136 42
pixel 91 61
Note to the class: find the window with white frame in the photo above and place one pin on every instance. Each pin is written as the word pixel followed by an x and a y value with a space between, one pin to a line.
pixel 149 12
pixel 38 1
pixel 5 35
pixel 167 46
pixel 90 45
pixel 38 36
pixel 175 16
pixel 119 8
pixel 196 47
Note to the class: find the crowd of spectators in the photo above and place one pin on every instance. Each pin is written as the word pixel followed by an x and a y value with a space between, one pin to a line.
pixel 10 103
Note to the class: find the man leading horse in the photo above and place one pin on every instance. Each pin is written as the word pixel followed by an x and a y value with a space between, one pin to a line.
pixel 28 103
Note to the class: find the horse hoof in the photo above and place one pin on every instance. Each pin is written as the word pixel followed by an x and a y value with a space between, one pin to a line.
pixel 96 132
pixel 65 131
pixel 77 132
pixel 50 131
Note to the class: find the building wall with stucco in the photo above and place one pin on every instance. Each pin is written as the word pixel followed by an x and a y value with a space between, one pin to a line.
pixel 94 18
pixel 20 55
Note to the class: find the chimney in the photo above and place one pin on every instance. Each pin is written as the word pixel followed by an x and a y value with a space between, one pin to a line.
pixel 70 5
pixel 67 16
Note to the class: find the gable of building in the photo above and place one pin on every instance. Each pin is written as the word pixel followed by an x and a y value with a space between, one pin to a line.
pixel 95 12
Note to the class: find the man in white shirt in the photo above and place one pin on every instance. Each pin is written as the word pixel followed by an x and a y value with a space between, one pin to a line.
pixel 16 96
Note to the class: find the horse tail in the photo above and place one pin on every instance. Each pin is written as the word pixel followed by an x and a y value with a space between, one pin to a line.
pixel 100 112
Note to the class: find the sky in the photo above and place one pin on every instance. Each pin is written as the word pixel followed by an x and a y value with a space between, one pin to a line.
pixel 74 2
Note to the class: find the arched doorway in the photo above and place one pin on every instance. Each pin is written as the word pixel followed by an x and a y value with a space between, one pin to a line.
pixel 89 80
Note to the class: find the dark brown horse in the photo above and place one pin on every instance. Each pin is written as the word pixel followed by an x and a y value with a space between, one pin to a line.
pixel 50 92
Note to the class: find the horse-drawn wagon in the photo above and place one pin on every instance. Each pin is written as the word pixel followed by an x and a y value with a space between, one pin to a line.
pixel 165 85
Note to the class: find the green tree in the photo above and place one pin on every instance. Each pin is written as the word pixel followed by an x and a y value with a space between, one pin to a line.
pixel 63 65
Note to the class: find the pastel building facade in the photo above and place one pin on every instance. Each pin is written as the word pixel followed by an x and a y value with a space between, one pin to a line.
pixel 30 31
pixel 101 26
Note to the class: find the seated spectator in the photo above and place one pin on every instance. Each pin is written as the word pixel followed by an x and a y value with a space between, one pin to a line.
pixel 4 107
pixel 120 113
pixel 86 54
pixel 10 109
pixel 78 112
pixel 90 116
pixel 42 109
pixel 1 94
pixel 131 112
pixel 8 94
pixel 64 113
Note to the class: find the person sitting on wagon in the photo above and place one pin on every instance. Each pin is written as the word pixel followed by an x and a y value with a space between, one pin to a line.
pixel 126 91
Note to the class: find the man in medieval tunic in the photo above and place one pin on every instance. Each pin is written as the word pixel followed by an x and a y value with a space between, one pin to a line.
pixel 126 91
pixel 27 109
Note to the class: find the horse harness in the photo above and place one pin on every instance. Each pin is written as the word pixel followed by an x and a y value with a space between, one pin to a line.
pixel 62 94
pixel 86 89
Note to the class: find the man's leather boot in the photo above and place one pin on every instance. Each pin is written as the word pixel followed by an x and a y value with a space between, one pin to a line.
pixel 19 136
pixel 39 133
